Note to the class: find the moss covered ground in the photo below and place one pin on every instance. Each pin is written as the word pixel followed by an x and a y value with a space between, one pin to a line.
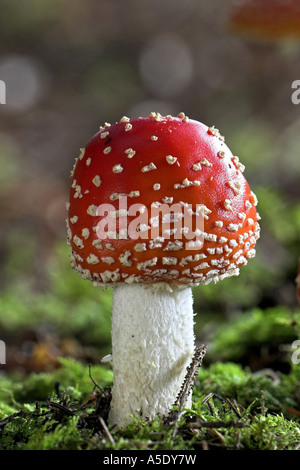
pixel 232 409
pixel 54 394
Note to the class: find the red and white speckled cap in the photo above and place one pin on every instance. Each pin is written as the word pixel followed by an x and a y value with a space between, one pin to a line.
pixel 153 161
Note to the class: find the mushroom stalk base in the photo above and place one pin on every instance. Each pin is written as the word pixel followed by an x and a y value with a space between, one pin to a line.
pixel 152 346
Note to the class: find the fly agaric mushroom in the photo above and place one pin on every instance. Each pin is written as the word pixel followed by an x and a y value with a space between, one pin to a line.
pixel 266 19
pixel 152 164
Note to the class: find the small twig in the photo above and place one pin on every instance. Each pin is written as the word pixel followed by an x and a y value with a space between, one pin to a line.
pixel 9 418
pixel 238 440
pixel 243 410
pixel 211 410
pixel 216 424
pixel 220 436
pixel 238 405
pixel 207 397
pixel 106 430
pixel 57 389
pixel 233 407
pixel 207 401
pixel 192 372
pixel 288 409
pixel 204 445
pixel 92 379
pixel 87 403
pixel 59 406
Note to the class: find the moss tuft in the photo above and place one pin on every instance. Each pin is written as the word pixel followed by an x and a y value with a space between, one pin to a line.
pixel 232 409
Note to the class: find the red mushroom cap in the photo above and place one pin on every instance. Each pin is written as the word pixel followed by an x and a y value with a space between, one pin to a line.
pixel 266 19
pixel 152 162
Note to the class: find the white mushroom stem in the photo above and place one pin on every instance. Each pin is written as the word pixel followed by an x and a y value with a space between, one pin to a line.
pixel 152 346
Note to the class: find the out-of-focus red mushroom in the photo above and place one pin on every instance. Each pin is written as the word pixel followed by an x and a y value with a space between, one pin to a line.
pixel 170 172
pixel 266 19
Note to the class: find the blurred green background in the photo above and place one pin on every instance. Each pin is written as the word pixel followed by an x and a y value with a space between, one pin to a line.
pixel 69 66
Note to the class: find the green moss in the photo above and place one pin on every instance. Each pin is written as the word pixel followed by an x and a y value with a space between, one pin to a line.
pixel 62 437
pixel 70 306
pixel 73 377
pixel 253 330
pixel 272 433
pixel 231 380
pixel 232 408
